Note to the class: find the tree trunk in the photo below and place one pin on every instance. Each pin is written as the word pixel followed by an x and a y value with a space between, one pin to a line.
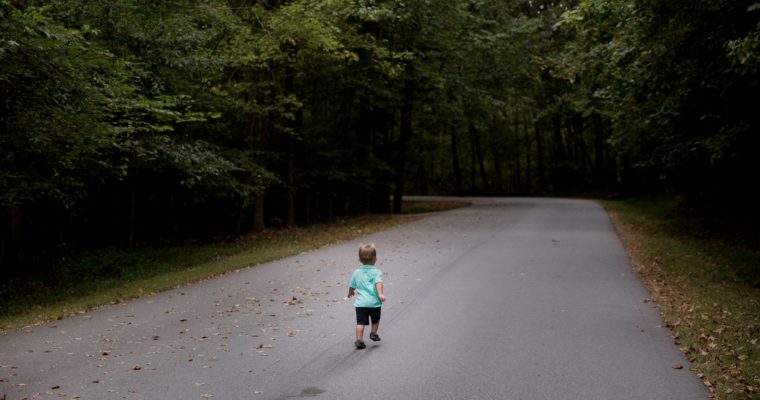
pixel 527 155
pixel 571 144
pixel 497 160
pixel 559 178
pixel 473 168
pixel 381 193
pixel 364 132
pixel 5 239
pixel 258 197
pixel 599 153
pixel 405 134
pixel 479 155
pixel 582 156
pixel 293 126
pixel 518 172
pixel 539 154
pixel 16 251
pixel 422 175
pixel 290 218
pixel 258 213
pixel 455 161
pixel 558 144
pixel 132 212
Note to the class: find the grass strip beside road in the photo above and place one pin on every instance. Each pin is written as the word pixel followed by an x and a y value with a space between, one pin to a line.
pixel 111 276
pixel 707 287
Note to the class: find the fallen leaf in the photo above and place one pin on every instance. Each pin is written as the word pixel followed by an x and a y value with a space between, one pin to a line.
pixel 137 367
pixel 294 301
pixel 678 366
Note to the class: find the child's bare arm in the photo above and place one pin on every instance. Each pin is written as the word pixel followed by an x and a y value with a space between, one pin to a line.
pixel 380 293
pixel 350 291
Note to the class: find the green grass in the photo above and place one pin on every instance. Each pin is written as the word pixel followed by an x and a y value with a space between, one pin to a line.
pixel 707 286
pixel 109 276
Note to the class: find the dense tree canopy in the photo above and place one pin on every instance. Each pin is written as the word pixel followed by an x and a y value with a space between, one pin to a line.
pixel 132 121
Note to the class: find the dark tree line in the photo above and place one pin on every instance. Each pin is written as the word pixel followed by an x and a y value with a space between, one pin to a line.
pixel 141 122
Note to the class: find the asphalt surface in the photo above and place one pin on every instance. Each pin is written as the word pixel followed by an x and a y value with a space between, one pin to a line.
pixel 505 299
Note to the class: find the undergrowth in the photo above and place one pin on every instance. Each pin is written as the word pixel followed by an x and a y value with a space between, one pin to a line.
pixel 107 276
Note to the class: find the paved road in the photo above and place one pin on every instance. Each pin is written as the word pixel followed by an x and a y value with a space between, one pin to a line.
pixel 527 299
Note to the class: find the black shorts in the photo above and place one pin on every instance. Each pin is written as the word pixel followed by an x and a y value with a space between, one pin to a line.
pixel 363 315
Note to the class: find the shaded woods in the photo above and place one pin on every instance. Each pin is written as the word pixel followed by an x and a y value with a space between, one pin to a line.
pixel 148 122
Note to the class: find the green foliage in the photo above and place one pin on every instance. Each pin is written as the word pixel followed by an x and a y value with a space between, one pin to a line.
pixel 46 97
pixel 76 115
pixel 169 120
pixel 674 79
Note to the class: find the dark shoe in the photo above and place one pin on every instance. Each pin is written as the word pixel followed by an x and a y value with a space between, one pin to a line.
pixel 360 344
pixel 374 336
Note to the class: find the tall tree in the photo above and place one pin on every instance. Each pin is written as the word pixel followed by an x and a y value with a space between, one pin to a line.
pixel 671 85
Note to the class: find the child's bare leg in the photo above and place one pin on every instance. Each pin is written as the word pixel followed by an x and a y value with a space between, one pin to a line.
pixel 359 332
pixel 375 326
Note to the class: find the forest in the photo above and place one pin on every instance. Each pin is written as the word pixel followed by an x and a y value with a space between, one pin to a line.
pixel 149 122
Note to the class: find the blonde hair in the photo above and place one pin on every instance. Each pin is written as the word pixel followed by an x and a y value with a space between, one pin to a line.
pixel 367 253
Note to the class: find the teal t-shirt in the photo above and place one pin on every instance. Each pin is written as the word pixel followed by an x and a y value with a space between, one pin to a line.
pixel 363 281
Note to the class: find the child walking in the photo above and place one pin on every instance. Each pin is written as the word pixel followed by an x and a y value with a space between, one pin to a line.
pixel 367 284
